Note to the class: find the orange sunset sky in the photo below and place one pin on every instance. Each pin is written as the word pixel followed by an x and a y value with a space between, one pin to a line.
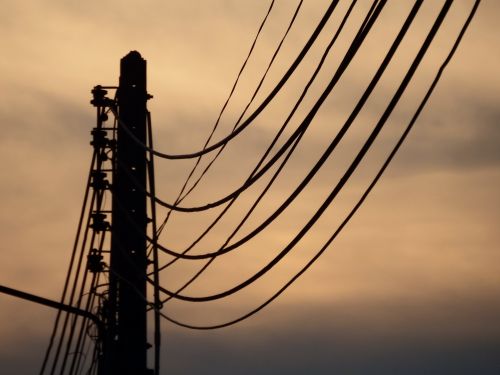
pixel 411 286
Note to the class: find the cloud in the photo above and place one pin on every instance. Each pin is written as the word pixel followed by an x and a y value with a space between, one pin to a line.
pixel 367 337
pixel 409 286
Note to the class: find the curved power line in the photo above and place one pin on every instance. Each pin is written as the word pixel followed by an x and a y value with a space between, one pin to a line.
pixel 256 91
pixel 188 178
pixel 329 199
pixel 70 267
pixel 296 140
pixel 261 107
pixel 322 159
pixel 360 201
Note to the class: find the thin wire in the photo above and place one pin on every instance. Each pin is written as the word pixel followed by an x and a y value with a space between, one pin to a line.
pixel 179 197
pixel 347 59
pixel 256 91
pixel 315 217
pixel 73 289
pixel 363 197
pixel 277 172
pixel 156 291
pixel 88 307
pixel 261 107
pixel 82 291
pixel 70 267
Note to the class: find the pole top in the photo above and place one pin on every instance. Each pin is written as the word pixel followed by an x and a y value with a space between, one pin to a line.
pixel 133 55
pixel 133 71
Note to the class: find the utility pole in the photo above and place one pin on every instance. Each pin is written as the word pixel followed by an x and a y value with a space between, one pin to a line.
pixel 125 342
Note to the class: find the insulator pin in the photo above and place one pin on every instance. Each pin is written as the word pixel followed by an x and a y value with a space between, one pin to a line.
pixel 94 262
pixel 99 138
pixel 99 223
pixel 99 181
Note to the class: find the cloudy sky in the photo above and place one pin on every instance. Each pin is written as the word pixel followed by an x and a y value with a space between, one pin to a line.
pixel 411 286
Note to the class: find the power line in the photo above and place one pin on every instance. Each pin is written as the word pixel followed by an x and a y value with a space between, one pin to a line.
pixel 363 197
pixel 358 41
pixel 363 31
pixel 261 107
pixel 180 196
pixel 82 294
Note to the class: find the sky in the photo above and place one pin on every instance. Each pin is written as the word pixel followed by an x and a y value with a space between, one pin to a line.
pixel 410 286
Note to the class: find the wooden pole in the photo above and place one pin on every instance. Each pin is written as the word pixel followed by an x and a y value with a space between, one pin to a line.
pixel 125 347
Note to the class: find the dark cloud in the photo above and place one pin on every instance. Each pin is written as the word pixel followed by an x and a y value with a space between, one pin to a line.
pixel 441 335
pixel 379 337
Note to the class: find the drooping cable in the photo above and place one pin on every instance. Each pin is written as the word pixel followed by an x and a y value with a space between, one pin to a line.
pixel 182 195
pixel 343 65
pixel 259 109
pixel 325 204
pixel 256 91
pixel 363 197
pixel 277 172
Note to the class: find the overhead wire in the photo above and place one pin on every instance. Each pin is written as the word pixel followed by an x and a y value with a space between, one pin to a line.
pixel 257 173
pixel 395 99
pixel 88 306
pixel 257 111
pixel 94 281
pixel 72 265
pixel 280 167
pixel 362 198
pixel 359 39
pixel 65 338
pixel 336 77
pixel 154 230
pixel 256 91
pixel 83 282
pixel 181 196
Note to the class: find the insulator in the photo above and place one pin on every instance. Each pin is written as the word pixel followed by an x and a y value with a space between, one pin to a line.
pixel 99 181
pixel 103 117
pixel 99 223
pixel 94 262
pixel 99 138
pixel 103 156
pixel 99 99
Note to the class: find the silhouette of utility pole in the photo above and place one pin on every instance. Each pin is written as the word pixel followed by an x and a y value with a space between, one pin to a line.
pixel 125 342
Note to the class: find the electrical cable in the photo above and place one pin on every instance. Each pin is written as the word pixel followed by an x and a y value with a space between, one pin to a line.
pixel 325 204
pixel 88 306
pixel 179 197
pixel 363 197
pixel 350 54
pixel 277 172
pixel 70 267
pixel 76 278
pixel 261 107
pixel 83 284
pixel 255 175
pixel 256 91
pixel 156 277
pixel 95 165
